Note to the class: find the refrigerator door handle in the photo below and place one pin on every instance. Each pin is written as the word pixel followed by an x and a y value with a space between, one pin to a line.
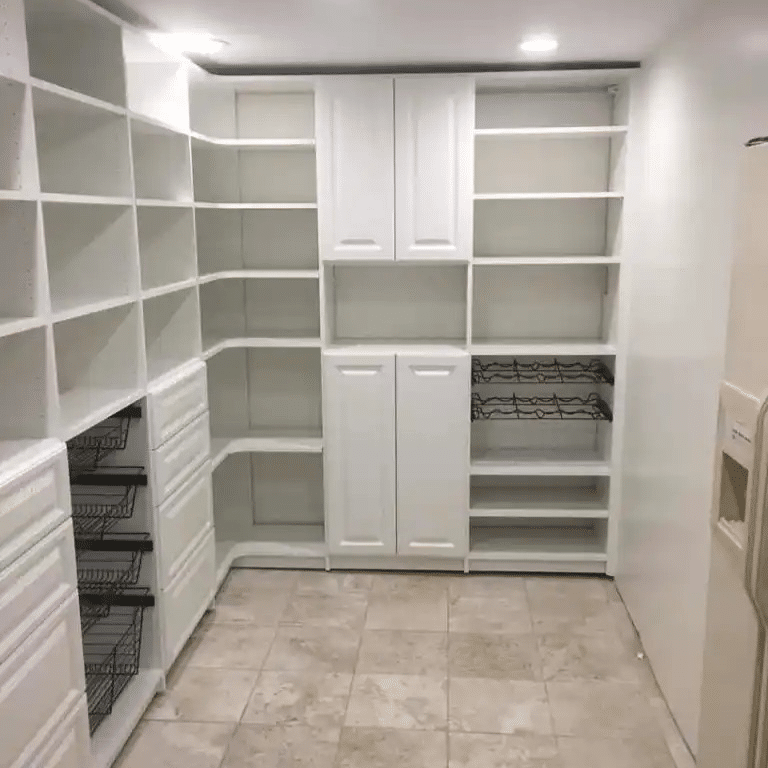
pixel 757 499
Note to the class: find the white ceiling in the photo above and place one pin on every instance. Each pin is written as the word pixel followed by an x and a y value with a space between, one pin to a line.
pixel 269 33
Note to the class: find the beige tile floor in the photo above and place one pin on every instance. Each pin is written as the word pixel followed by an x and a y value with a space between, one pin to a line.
pixel 336 670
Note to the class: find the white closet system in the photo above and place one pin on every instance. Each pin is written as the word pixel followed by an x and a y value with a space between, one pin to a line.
pixel 324 292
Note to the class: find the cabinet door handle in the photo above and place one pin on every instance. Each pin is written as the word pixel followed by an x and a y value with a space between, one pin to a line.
pixel 432 371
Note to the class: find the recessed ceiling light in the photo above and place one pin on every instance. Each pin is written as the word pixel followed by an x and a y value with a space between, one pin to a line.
pixel 185 43
pixel 539 44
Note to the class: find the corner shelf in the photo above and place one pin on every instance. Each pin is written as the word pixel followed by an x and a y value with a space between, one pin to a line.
pixel 261 274
pixel 265 441
pixel 254 143
pixel 212 347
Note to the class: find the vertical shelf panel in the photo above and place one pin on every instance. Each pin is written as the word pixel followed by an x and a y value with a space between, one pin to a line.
pixel 20 285
pixel 14 57
pixel 18 169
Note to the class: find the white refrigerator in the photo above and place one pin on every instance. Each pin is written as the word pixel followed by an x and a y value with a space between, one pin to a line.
pixel 734 713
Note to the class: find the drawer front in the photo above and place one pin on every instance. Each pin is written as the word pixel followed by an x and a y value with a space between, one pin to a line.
pixel 35 585
pixel 175 462
pixel 176 403
pixel 32 503
pixel 185 601
pixel 70 746
pixel 184 520
pixel 39 683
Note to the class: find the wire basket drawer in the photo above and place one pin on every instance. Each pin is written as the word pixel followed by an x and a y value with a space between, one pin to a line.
pixel 88 450
pixel 100 499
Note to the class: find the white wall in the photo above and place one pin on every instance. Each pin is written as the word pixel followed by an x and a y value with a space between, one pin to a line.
pixel 697 100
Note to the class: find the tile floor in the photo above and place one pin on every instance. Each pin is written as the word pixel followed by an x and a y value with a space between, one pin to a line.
pixel 337 670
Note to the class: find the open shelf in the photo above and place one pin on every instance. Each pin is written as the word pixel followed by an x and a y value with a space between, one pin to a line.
pixel 266 441
pixel 539 462
pixel 535 540
pixel 392 303
pixel 74 45
pixel 24 398
pixel 271 503
pixel 171 331
pixel 91 252
pixel 570 131
pixel 272 112
pixel 530 304
pixel 161 163
pixel 256 175
pixel 266 397
pixel 256 239
pixel 20 299
pixel 82 150
pixel 277 309
pixel 97 361
pixel 17 158
pixel 166 245
pixel 539 496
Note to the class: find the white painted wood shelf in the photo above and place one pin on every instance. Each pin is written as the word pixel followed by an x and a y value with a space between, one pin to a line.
pixel 522 261
pixel 537 501
pixel 261 274
pixel 265 441
pixel 520 461
pixel 568 131
pixel 548 196
pixel 543 347
pixel 534 544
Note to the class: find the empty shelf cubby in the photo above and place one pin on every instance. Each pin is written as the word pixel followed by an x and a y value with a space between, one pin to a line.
pixel 166 245
pixel 81 149
pixel 529 304
pixel 97 361
pixel 271 175
pixel 76 46
pixel 256 240
pixel 171 331
pixel 161 163
pixel 265 393
pixel 287 310
pixel 391 303
pixel 91 251
pixel 269 497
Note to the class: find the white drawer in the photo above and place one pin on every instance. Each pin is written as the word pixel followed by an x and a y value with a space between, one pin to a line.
pixel 175 461
pixel 185 601
pixel 39 683
pixel 34 499
pixel 35 585
pixel 70 745
pixel 183 522
pixel 176 402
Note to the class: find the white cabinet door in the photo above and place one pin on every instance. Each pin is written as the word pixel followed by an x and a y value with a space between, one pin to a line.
pixel 434 139
pixel 433 422
pixel 359 429
pixel 355 167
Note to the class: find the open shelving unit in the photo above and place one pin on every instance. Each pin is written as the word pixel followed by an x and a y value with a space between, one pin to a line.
pixel 161 163
pixel 545 322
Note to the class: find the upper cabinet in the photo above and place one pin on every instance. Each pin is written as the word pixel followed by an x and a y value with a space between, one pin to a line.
pixel 356 172
pixel 434 143
pixel 395 168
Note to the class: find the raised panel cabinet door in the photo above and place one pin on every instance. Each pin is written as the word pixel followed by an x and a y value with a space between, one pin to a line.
pixel 355 168
pixel 434 151
pixel 433 423
pixel 359 438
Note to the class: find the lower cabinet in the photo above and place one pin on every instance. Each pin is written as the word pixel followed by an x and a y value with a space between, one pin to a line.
pixel 397 453
pixel 70 746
